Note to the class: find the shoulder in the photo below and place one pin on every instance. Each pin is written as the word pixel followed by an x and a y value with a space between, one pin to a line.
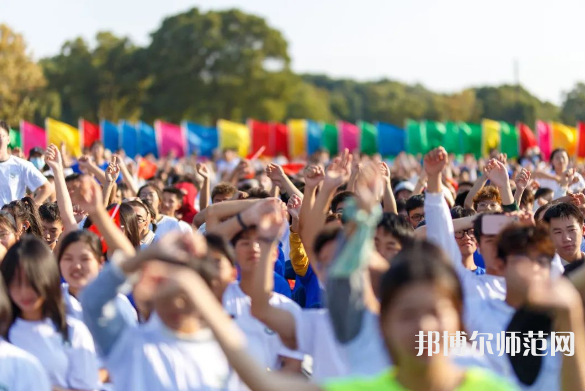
pixel 281 301
pixel 17 358
pixel 79 334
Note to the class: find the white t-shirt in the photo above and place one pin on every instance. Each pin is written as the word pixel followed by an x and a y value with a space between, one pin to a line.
pixel 556 186
pixel 71 364
pixel 185 227
pixel 263 343
pixel 20 371
pixel 152 357
pixel 166 225
pixel 16 175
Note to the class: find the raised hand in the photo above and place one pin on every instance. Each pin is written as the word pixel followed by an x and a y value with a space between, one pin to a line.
pixel 314 175
pixel 53 158
pixel 503 158
pixel 369 186
pixel 294 206
pixel 84 164
pixel 496 172
pixel 338 171
pixel 202 170
pixel 569 178
pixel 271 222
pixel 89 195
pixel 385 172
pixel 435 161
pixel 112 172
pixel 252 215
pixel 522 179
pixel 275 173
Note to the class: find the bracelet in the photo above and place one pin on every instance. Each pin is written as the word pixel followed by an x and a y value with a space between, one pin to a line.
pixel 267 240
pixel 241 222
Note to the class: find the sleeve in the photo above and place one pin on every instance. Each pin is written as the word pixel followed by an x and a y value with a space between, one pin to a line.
pixel 101 312
pixel 33 178
pixel 510 208
pixel 34 377
pixel 296 312
pixel 82 373
pixel 304 331
pixel 298 256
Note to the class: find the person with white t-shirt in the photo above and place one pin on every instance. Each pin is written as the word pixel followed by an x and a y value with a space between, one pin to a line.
pixel 40 326
pixel 164 224
pixel 172 201
pixel 16 175
pixel 559 160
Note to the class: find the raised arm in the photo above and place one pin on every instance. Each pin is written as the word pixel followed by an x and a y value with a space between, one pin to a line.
pixel 314 175
pixel 53 158
pixel 497 173
pixel 280 179
pixel 43 192
pixel 389 200
pixel 298 255
pixel 205 187
pixel 127 176
pixel 477 186
pixel 215 213
pixel 87 166
pixel 230 227
pixel 522 180
pixel 112 174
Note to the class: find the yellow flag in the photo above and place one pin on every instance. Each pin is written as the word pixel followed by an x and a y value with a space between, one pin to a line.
pixel 490 138
pixel 234 135
pixel 297 137
pixel 564 136
pixel 58 132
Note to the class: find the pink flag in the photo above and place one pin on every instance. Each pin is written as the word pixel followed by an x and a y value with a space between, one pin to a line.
pixel 32 136
pixel 170 138
pixel 349 135
pixel 544 134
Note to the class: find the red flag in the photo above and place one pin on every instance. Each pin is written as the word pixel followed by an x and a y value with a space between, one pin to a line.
pixel 90 132
pixel 527 137
pixel 260 132
pixel 115 216
pixel 146 169
pixel 581 139
pixel 279 139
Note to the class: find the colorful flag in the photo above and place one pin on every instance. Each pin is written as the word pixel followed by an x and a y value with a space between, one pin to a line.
pixel 202 140
pixel 171 138
pixel 368 138
pixel 32 136
pixel 435 132
pixel 234 135
pixel 527 137
pixel 348 136
pixel 90 132
pixel 581 140
pixel 490 136
pixel 416 137
pixel 260 134
pixel 130 138
pixel 279 139
pixel 391 139
pixel 451 140
pixel 60 132
pixel 544 135
pixel 147 137
pixel 15 141
pixel 110 135
pixel 313 137
pixel 509 140
pixel 297 137
pixel 470 138
pixel 146 168
pixel 329 138
pixel 565 137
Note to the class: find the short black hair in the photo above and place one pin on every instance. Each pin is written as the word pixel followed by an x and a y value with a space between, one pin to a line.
pixel 400 205
pixel 415 201
pixel 72 177
pixel 220 244
pixel 397 226
pixel 49 212
pixel 555 151
pixel 465 183
pixel 339 198
pixel 458 212
pixel 258 192
pixel 517 239
pixel 460 199
pixel 543 191
pixel 4 125
pixel 174 191
pixel 325 236
pixel 563 210
pixel 240 235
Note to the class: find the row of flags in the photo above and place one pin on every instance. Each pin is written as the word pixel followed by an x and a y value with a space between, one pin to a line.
pixel 299 137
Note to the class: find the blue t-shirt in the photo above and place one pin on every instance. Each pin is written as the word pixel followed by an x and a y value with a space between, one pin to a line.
pixel 103 167
pixel 313 290
pixel 479 271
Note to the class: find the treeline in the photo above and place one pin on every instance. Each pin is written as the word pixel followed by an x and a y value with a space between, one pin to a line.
pixel 203 66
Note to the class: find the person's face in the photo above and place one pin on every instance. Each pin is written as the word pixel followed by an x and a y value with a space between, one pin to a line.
pixel 416 215
pixel 567 235
pixel 149 194
pixel 51 232
pixel 488 206
pixel 172 306
pixel 488 248
pixel 386 244
pixel 523 270
pixel 248 251
pixel 170 204
pixel 24 295
pixel 7 236
pixel 560 162
pixel 420 307
pixel 227 273
pixel 221 198
pixel 118 197
pixel 79 265
pixel 326 254
pixel 466 242
pixel 143 219
pixel 463 188
pixel 73 187
pixel 465 177
pixel 527 207
pixel 545 199
pixel 403 194
pixel 97 151
pixel 4 139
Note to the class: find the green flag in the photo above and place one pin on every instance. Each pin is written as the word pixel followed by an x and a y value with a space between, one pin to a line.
pixel 470 138
pixel 509 139
pixel 435 132
pixel 329 138
pixel 451 140
pixel 416 137
pixel 15 140
pixel 369 138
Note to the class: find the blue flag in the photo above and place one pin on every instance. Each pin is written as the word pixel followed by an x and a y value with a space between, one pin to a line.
pixel 129 138
pixel 110 135
pixel 202 140
pixel 391 139
pixel 147 138
pixel 313 136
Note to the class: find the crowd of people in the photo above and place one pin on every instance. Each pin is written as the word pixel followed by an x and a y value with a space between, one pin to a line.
pixel 335 273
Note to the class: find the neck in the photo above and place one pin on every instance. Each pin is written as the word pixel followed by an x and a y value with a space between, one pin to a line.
pixel 4 155
pixel 247 282
pixel 73 291
pixel 514 300
pixel 469 263
pixel 573 257
pixel 190 325
pixel 437 375
pixel 32 315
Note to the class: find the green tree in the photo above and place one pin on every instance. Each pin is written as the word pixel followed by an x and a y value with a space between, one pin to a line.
pixel 308 101
pixel 21 79
pixel 573 107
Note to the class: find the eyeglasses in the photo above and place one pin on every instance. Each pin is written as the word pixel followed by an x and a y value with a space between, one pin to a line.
pixel 417 217
pixel 461 234
pixel 488 205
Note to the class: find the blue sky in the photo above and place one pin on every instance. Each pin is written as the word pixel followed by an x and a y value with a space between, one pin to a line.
pixel 444 44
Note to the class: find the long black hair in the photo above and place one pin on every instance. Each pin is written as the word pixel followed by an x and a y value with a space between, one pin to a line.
pixel 25 211
pixel 34 260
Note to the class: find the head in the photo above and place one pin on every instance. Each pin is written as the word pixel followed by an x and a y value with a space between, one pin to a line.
pixel 464 186
pixel 8 232
pixel 143 216
pixel 566 230
pixel 34 284
pixel 488 246
pixel 526 253
pixel 26 216
pixel 172 200
pixel 543 196
pixel 420 292
pixel 4 136
pixel 5 310
pixel 338 202
pixel 258 192
pixel 465 239
pixel 393 233
pixel 487 200
pixel 247 249
pixel 152 194
pixel 129 223
pixel 539 214
pixel 403 191
pixel 415 209
pixel 51 223
pixel 559 160
pixel 80 259
pixel 222 192
pixel 124 192
pixel 222 254
pixel 73 182
pixel 37 157
pixel 97 150
pixel 230 154
pixel 401 207
pixel 527 201
pixel 324 246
